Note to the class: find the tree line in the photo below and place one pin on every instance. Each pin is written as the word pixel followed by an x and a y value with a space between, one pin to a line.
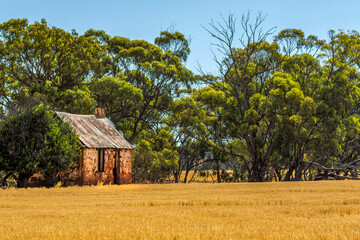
pixel 281 105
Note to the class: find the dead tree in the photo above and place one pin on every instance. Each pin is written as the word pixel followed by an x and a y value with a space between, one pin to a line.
pixel 325 173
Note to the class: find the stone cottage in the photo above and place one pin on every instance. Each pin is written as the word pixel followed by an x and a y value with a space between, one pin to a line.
pixel 106 155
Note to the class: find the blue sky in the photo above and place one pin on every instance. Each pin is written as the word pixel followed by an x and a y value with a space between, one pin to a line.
pixel 140 19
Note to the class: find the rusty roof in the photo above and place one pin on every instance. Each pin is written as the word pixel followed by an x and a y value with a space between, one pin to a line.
pixel 95 132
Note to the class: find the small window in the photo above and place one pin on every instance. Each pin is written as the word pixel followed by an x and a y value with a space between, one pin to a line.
pixel 101 160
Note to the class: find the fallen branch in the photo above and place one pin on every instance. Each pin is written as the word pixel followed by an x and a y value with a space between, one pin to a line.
pixel 321 167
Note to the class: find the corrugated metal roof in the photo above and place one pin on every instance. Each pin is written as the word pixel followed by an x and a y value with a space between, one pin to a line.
pixel 95 132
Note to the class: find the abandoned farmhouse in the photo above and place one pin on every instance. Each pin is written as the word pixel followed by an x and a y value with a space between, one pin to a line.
pixel 106 155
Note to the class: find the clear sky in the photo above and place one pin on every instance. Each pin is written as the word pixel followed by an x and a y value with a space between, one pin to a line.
pixel 144 19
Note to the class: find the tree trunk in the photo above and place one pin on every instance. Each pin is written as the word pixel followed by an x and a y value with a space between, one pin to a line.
pixel 258 175
pixel 326 175
pixel 299 172
pixel 193 175
pixel 218 172
pixel 22 180
pixel 289 173
pixel 270 175
pixel 278 173
pixel 186 175
pixel 176 176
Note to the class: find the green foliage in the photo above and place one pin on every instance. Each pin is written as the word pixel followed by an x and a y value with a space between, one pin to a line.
pixel 149 77
pixel 174 42
pixel 123 101
pixel 36 141
pixel 39 59
pixel 78 100
pixel 275 104
pixel 154 157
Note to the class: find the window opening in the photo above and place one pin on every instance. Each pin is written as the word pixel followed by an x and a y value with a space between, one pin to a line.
pixel 101 160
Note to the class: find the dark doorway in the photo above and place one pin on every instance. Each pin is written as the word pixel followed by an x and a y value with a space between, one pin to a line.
pixel 116 170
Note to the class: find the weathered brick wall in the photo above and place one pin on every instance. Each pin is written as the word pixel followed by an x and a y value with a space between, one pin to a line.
pixel 91 175
pixel 86 172
pixel 125 166
pixel 90 167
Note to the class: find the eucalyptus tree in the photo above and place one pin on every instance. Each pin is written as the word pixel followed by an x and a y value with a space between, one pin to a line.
pixel 158 72
pixel 244 73
pixel 200 117
pixel 156 156
pixel 37 59
pixel 341 95
pixel 300 126
pixel 323 129
pixel 138 85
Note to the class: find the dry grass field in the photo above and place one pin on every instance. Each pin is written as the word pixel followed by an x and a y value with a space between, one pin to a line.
pixel 296 210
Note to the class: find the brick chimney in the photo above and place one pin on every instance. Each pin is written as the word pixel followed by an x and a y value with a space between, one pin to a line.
pixel 100 111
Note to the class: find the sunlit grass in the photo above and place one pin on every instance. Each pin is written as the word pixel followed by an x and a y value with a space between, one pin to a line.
pixel 297 210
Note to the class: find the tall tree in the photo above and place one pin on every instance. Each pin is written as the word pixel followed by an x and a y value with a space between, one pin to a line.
pixel 244 71
pixel 158 73
pixel 35 141
pixel 36 59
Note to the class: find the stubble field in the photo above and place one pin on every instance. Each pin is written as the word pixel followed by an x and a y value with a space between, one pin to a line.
pixel 296 210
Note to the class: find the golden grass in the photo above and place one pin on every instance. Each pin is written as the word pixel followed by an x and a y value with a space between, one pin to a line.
pixel 297 210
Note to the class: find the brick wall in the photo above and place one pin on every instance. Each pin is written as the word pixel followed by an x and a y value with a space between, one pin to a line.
pixel 91 175
pixel 125 166
pixel 86 172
